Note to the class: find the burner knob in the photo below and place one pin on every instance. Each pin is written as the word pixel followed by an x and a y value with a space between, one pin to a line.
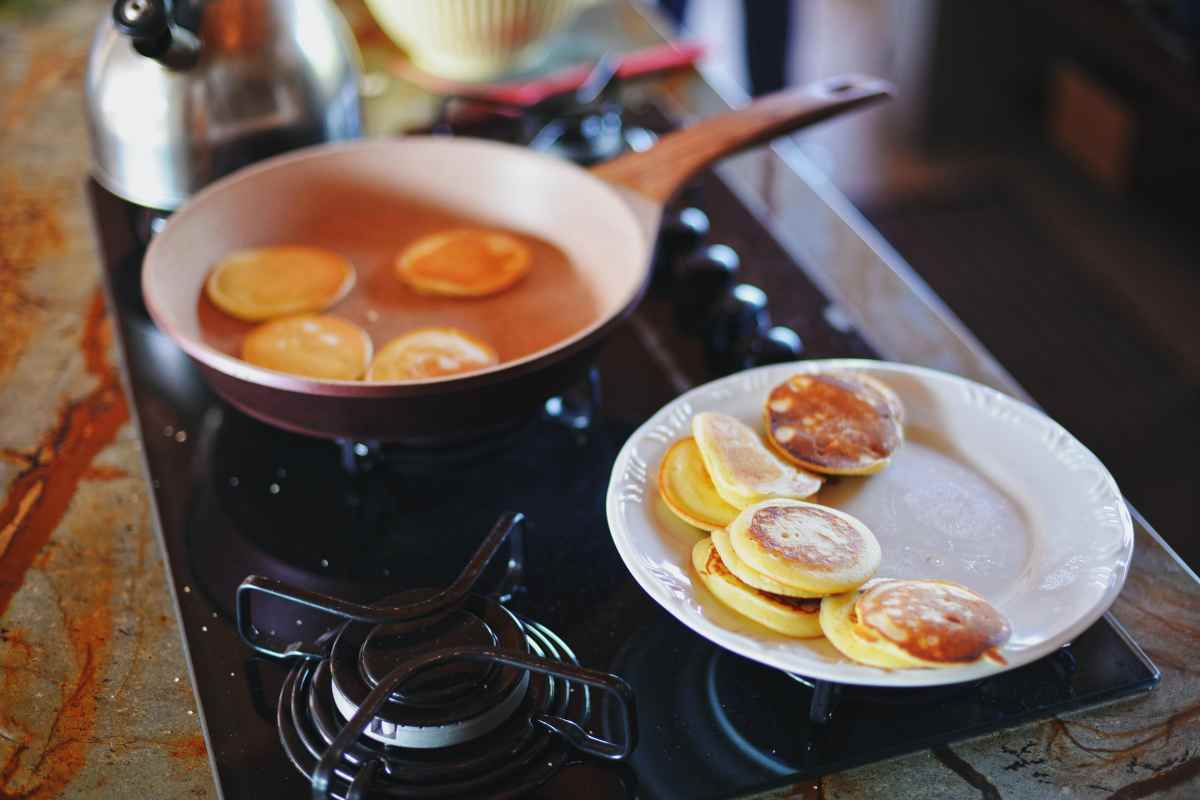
pixel 681 233
pixel 739 320
pixel 776 346
pixel 703 278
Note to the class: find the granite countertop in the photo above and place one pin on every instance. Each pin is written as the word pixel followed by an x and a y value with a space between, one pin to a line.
pixel 94 694
pixel 95 699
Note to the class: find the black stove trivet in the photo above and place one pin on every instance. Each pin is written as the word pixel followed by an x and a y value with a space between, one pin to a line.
pixel 585 125
pixel 433 693
pixel 234 496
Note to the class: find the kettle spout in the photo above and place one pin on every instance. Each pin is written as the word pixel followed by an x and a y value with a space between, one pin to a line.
pixel 150 26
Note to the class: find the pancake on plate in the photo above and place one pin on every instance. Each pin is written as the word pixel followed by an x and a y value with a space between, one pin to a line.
pixel 740 465
pixel 791 616
pixel 838 423
pixel 466 262
pixel 914 623
pixel 312 345
pixel 431 353
pixel 750 576
pixel 269 282
pixel 813 548
pixel 687 489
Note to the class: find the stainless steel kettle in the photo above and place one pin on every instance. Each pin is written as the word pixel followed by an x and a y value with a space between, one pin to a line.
pixel 180 93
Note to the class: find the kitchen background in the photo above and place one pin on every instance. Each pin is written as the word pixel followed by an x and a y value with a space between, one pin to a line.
pixel 1037 168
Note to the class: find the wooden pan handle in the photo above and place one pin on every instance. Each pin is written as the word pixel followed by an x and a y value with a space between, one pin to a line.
pixel 656 173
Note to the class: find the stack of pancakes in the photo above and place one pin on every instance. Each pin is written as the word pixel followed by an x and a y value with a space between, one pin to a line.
pixel 801 568
pixel 779 558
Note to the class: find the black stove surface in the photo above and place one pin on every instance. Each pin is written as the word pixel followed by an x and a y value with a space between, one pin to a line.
pixel 235 497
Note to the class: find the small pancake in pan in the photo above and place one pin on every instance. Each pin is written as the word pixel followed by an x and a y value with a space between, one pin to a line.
pixel 688 490
pixel 838 423
pixel 312 345
pixel 431 353
pixel 742 468
pixel 914 623
pixel 269 282
pixel 791 616
pixel 814 548
pixel 465 262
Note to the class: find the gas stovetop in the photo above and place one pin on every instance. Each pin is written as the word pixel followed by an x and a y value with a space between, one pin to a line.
pixel 361 522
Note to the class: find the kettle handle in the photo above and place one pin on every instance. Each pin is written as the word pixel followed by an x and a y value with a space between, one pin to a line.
pixel 150 26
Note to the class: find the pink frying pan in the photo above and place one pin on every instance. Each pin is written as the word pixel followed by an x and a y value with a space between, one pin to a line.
pixel 365 198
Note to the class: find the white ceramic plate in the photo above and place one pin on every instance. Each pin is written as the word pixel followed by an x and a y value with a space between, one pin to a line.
pixel 986 491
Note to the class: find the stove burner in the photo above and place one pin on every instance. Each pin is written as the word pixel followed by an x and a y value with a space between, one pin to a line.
pixel 428 692
pixel 387 646
pixel 585 125
pixel 573 410
pixel 439 707
pixel 513 759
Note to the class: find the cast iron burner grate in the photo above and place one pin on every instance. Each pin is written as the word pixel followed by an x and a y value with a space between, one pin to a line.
pixel 585 125
pixel 505 763
pixel 434 693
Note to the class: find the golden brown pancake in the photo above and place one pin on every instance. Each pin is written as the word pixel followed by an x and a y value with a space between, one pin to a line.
pixel 312 345
pixel 687 489
pixel 740 465
pixel 750 576
pixel 791 616
pixel 269 282
pixel 465 262
pixel 839 423
pixel 431 353
pixel 914 623
pixel 815 548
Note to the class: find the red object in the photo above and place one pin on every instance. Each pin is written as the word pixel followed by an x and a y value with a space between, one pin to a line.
pixel 659 58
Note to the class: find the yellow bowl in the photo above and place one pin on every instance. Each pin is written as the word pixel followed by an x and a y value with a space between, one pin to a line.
pixel 471 40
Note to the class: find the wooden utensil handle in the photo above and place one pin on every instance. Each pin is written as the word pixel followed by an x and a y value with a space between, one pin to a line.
pixel 656 173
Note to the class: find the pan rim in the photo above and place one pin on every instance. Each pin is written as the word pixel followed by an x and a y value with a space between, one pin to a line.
pixel 222 362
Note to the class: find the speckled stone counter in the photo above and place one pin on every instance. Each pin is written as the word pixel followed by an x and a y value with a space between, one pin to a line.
pixel 95 700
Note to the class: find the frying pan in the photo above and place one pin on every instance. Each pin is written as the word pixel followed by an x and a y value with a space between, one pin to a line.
pixel 341 196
